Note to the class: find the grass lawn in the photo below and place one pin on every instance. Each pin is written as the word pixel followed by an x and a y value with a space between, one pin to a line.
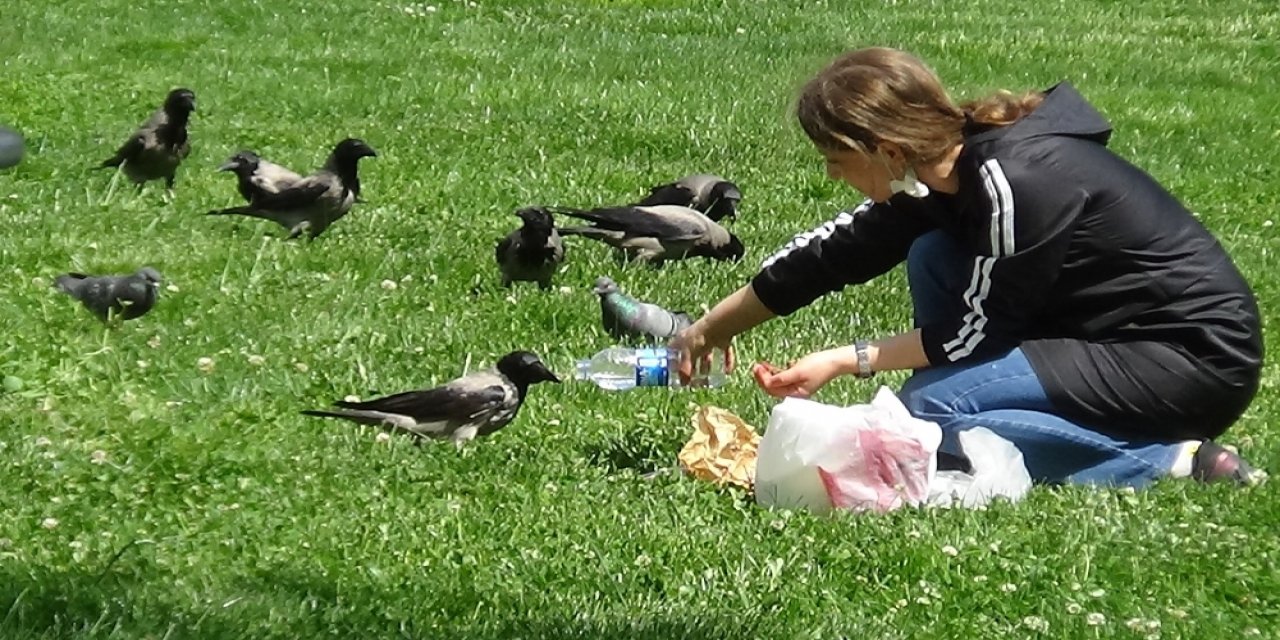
pixel 146 497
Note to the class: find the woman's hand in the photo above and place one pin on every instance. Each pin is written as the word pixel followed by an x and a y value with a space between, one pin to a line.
pixel 696 349
pixel 805 376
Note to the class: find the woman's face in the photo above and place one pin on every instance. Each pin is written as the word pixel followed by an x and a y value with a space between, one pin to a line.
pixel 865 172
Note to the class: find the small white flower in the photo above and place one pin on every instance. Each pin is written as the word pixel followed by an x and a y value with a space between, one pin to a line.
pixel 205 364
pixel 431 8
pixel 1008 587
pixel 1267 223
pixel 778 524
pixel 1252 631
pixel 902 602
pixel 1036 623
pixel 643 560
pixel 1094 619
pixel 154 342
pixel 948 550
pixel 389 285
pixel 407 278
pixel 739 31
pixel 93 245
pixel 143 364
pixel 994 547
pixel 257 360
pixel 75 544
pixel 351 398
pixel 554 422
pixel 382 438
pixel 1073 608
pixel 49 523
pixel 1152 625
pixel 564 291
pixel 172 288
pixel 1097 593
pixel 98 456
pixel 979 578
pixel 39 282
pixel 301 367
pixel 922 600
pixel 511 299
pixel 43 441
pixel 1134 624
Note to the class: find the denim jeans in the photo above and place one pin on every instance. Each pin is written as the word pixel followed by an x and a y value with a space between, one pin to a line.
pixel 1003 394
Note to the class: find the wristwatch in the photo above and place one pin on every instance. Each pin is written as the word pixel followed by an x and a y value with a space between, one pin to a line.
pixel 864 359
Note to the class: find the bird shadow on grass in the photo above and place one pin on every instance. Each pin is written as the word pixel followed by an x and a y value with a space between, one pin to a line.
pixel 636 451
pixel 285 603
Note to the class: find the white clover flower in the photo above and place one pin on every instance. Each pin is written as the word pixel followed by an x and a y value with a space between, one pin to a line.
pixel 43 441
pixel 1097 593
pixel 351 398
pixel 205 364
pixel 301 367
pixel 389 285
pixel 948 550
pixel 382 438
pixel 172 288
pixel 98 456
pixel 1036 623
pixel 1094 619
pixel 643 560
pixel 1073 608
pixel 257 360
pixel 1008 587
pixel 49 523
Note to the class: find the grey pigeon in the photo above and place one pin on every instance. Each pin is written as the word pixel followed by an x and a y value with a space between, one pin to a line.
pixel 476 404
pixel 156 149
pixel 122 297
pixel 12 147
pixel 625 317
pixel 256 177
pixel 531 253
pixel 712 195
pixel 658 233
pixel 313 203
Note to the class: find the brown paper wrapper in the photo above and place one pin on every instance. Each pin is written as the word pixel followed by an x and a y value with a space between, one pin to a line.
pixel 722 448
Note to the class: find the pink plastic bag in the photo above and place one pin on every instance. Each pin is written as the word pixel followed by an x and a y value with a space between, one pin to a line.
pixel 865 457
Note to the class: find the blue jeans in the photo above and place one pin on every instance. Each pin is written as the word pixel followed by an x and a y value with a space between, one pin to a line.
pixel 1003 394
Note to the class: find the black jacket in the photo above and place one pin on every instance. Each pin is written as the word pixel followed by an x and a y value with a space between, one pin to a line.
pixel 1132 315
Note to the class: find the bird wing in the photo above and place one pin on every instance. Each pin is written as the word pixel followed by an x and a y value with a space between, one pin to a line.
pixel 463 400
pixel 504 247
pixel 669 194
pixel 130 149
pixel 299 194
pixel 272 178
pixel 666 222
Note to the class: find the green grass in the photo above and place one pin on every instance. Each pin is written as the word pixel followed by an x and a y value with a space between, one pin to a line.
pixel 219 512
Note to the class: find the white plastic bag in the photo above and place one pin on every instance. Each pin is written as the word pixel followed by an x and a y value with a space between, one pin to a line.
pixel 998 471
pixel 819 457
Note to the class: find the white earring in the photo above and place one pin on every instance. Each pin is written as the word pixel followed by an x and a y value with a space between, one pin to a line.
pixel 910 185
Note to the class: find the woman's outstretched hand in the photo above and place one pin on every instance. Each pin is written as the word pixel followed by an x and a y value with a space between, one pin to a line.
pixel 696 350
pixel 805 376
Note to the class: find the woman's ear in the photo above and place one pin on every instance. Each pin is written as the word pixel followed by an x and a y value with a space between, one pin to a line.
pixel 891 150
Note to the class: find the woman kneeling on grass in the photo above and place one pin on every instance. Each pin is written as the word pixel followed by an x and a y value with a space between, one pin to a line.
pixel 1063 299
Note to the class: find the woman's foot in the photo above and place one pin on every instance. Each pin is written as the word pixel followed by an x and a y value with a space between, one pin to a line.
pixel 1214 462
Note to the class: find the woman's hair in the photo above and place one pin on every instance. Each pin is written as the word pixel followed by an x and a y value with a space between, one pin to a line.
pixel 875 95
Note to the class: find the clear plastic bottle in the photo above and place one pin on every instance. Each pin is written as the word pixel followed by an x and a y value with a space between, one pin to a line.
pixel 622 368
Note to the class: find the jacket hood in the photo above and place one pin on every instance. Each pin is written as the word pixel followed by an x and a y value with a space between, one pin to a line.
pixel 1064 112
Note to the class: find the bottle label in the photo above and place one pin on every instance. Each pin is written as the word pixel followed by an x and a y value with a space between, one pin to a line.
pixel 652 368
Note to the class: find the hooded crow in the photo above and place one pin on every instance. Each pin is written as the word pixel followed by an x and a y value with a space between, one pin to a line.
pixel 124 297
pixel 476 404
pixel 712 195
pixel 156 149
pixel 658 233
pixel 313 203
pixel 256 177
pixel 531 253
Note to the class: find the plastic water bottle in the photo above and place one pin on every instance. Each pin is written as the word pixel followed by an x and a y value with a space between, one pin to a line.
pixel 621 368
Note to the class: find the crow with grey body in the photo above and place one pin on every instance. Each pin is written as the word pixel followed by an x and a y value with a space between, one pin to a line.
pixel 625 317
pixel 156 149
pixel 471 406
pixel 531 253
pixel 658 233
pixel 256 177
pixel 123 297
pixel 712 195
pixel 313 203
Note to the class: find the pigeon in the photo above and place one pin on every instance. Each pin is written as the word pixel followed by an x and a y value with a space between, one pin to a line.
pixel 313 203
pixel 124 297
pixel 625 317
pixel 712 195
pixel 476 404
pixel 658 233
pixel 12 147
pixel 156 149
pixel 531 253
pixel 256 177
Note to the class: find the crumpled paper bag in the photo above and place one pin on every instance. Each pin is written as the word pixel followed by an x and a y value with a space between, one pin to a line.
pixel 722 448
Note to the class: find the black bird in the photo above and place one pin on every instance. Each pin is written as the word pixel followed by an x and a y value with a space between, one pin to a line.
pixel 476 404
pixel 156 149
pixel 712 195
pixel 658 233
pixel 531 253
pixel 313 203
pixel 123 297
pixel 256 177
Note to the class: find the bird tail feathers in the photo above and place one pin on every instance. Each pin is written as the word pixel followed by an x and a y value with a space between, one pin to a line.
pixel 362 417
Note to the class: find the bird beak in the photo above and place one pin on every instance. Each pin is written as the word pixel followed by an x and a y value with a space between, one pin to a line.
pixel 228 166
pixel 732 194
pixel 548 376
